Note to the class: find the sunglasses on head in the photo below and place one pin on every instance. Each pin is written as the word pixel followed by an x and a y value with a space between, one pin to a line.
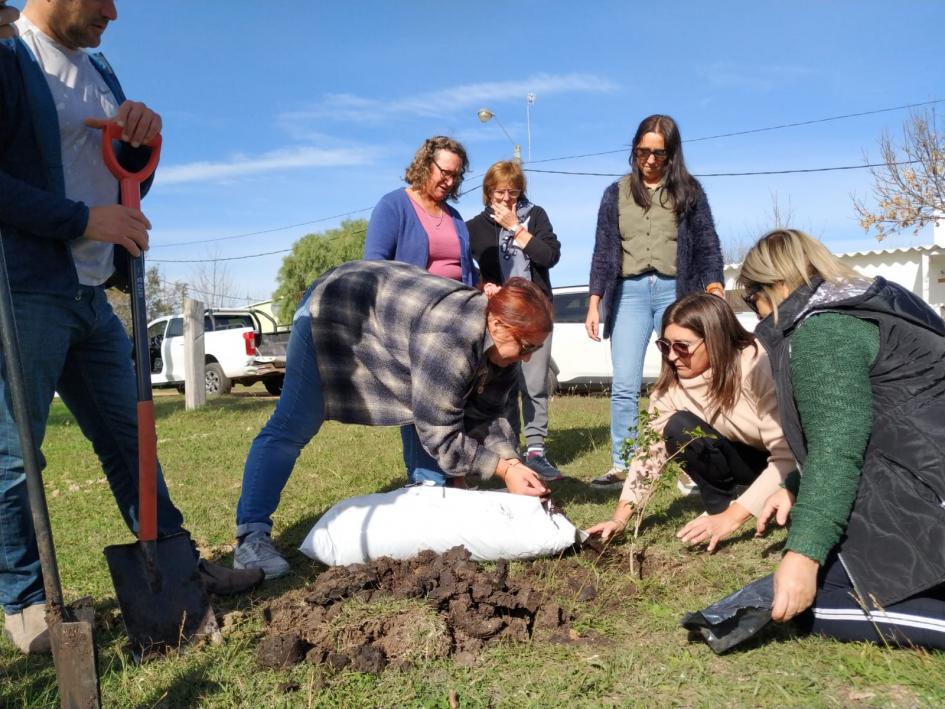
pixel 682 349
pixel 750 296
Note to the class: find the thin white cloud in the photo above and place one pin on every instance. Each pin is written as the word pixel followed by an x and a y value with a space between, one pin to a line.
pixel 273 161
pixel 443 102
pixel 726 75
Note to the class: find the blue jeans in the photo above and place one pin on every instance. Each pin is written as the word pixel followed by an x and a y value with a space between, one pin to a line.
pixel 638 311
pixel 421 466
pixel 77 346
pixel 299 414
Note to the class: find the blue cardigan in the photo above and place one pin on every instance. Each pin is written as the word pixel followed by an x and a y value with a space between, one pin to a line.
pixel 698 251
pixel 396 234
pixel 37 221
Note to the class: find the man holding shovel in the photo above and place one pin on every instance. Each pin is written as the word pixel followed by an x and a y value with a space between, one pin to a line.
pixel 60 225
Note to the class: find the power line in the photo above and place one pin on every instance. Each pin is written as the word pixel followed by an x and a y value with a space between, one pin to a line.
pixel 734 174
pixel 624 148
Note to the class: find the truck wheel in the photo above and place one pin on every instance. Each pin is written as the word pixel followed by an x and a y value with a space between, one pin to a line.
pixel 180 388
pixel 274 385
pixel 218 383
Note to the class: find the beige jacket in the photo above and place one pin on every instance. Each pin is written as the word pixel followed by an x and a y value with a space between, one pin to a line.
pixel 752 421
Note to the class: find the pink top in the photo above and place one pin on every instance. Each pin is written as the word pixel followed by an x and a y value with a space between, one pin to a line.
pixel 443 258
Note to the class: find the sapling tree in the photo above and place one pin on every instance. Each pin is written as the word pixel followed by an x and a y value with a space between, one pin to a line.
pixel 645 453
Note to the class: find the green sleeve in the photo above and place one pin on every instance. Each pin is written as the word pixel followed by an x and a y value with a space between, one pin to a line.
pixel 831 356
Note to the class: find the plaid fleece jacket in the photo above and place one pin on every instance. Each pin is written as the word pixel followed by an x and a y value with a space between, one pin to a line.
pixel 396 344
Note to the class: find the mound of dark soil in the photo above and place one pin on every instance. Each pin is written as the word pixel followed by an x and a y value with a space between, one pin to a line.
pixel 362 616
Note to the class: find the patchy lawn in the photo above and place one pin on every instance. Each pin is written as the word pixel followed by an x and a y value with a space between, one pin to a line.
pixel 623 646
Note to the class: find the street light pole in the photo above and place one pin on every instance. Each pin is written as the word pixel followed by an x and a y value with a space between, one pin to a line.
pixel 485 115
pixel 529 100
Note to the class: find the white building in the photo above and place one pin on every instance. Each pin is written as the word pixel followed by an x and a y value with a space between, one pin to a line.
pixel 919 268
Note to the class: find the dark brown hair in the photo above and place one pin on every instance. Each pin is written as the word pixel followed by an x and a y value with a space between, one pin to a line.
pixel 418 172
pixel 523 307
pixel 502 171
pixel 712 319
pixel 679 185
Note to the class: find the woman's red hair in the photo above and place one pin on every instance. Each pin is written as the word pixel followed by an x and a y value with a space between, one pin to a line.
pixel 523 308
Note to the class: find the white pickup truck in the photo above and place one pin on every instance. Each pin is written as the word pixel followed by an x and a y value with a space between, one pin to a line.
pixel 232 341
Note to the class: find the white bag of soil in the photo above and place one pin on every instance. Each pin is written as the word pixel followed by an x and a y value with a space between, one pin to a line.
pixel 402 523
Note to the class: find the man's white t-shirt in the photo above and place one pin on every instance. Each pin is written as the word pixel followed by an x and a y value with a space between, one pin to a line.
pixel 79 92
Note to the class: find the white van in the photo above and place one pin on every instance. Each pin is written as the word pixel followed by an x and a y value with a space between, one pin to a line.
pixel 580 364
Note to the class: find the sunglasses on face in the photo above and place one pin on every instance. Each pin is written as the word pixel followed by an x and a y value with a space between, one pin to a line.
pixel 682 349
pixel 527 348
pixel 644 154
pixel 750 296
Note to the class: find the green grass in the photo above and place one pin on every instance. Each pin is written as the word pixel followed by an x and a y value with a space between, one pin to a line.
pixel 629 650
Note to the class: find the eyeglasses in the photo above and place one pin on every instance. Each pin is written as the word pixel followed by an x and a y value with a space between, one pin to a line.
pixel 751 295
pixel 448 174
pixel 645 153
pixel 526 348
pixel 682 349
pixel 514 194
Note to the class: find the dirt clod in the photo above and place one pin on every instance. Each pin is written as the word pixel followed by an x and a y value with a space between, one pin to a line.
pixel 390 613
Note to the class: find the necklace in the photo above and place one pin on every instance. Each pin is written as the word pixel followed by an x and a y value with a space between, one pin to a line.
pixel 438 222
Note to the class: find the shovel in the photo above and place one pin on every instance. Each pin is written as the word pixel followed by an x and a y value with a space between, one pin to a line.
pixel 162 599
pixel 70 627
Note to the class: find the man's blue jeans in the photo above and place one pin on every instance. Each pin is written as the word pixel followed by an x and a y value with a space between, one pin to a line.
pixel 77 346
pixel 638 311
pixel 299 414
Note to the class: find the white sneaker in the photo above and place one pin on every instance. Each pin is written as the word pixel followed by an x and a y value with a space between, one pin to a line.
pixel 257 552
pixel 687 486
pixel 613 479
pixel 27 630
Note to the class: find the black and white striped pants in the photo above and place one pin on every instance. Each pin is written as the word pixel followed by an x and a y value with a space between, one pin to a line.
pixel 918 621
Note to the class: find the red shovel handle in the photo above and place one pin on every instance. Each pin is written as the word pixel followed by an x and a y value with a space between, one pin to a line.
pixel 130 181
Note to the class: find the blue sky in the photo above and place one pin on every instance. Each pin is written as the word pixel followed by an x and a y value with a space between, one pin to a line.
pixel 294 111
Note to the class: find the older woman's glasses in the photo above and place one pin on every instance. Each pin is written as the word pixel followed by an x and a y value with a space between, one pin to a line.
pixel 682 349
pixel 750 296
pixel 645 153
pixel 502 194
pixel 448 174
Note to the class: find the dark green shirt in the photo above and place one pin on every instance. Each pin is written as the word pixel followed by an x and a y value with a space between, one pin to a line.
pixel 831 356
pixel 648 239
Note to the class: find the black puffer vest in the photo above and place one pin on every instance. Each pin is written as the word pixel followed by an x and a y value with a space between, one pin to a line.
pixel 894 544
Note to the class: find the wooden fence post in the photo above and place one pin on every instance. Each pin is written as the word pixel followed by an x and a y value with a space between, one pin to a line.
pixel 195 383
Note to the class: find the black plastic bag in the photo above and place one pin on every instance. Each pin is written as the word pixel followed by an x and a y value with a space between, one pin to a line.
pixel 736 618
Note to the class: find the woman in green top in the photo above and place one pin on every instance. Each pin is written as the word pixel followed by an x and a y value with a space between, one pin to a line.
pixel 859 368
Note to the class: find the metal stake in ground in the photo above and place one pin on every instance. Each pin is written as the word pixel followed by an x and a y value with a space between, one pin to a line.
pixel 162 599
pixel 70 628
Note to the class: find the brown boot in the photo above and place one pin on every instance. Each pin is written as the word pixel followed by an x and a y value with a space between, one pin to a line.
pixel 227 582
pixel 27 630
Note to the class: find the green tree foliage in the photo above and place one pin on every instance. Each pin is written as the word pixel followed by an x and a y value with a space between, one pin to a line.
pixel 311 256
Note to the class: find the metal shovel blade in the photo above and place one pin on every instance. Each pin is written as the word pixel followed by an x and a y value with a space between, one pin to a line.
pixel 162 600
pixel 70 632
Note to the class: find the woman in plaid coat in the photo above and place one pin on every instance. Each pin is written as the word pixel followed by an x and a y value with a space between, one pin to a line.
pixel 382 343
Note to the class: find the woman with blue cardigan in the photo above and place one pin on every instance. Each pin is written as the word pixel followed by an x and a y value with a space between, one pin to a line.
pixel 415 225
pixel 655 242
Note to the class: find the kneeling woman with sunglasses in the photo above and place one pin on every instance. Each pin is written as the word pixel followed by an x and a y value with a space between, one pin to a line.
pixel 717 378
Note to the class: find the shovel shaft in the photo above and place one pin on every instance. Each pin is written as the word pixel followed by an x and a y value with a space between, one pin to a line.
pixel 130 184
pixel 16 382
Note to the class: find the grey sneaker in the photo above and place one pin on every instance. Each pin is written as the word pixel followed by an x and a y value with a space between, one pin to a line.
pixel 613 479
pixel 257 552
pixel 541 465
